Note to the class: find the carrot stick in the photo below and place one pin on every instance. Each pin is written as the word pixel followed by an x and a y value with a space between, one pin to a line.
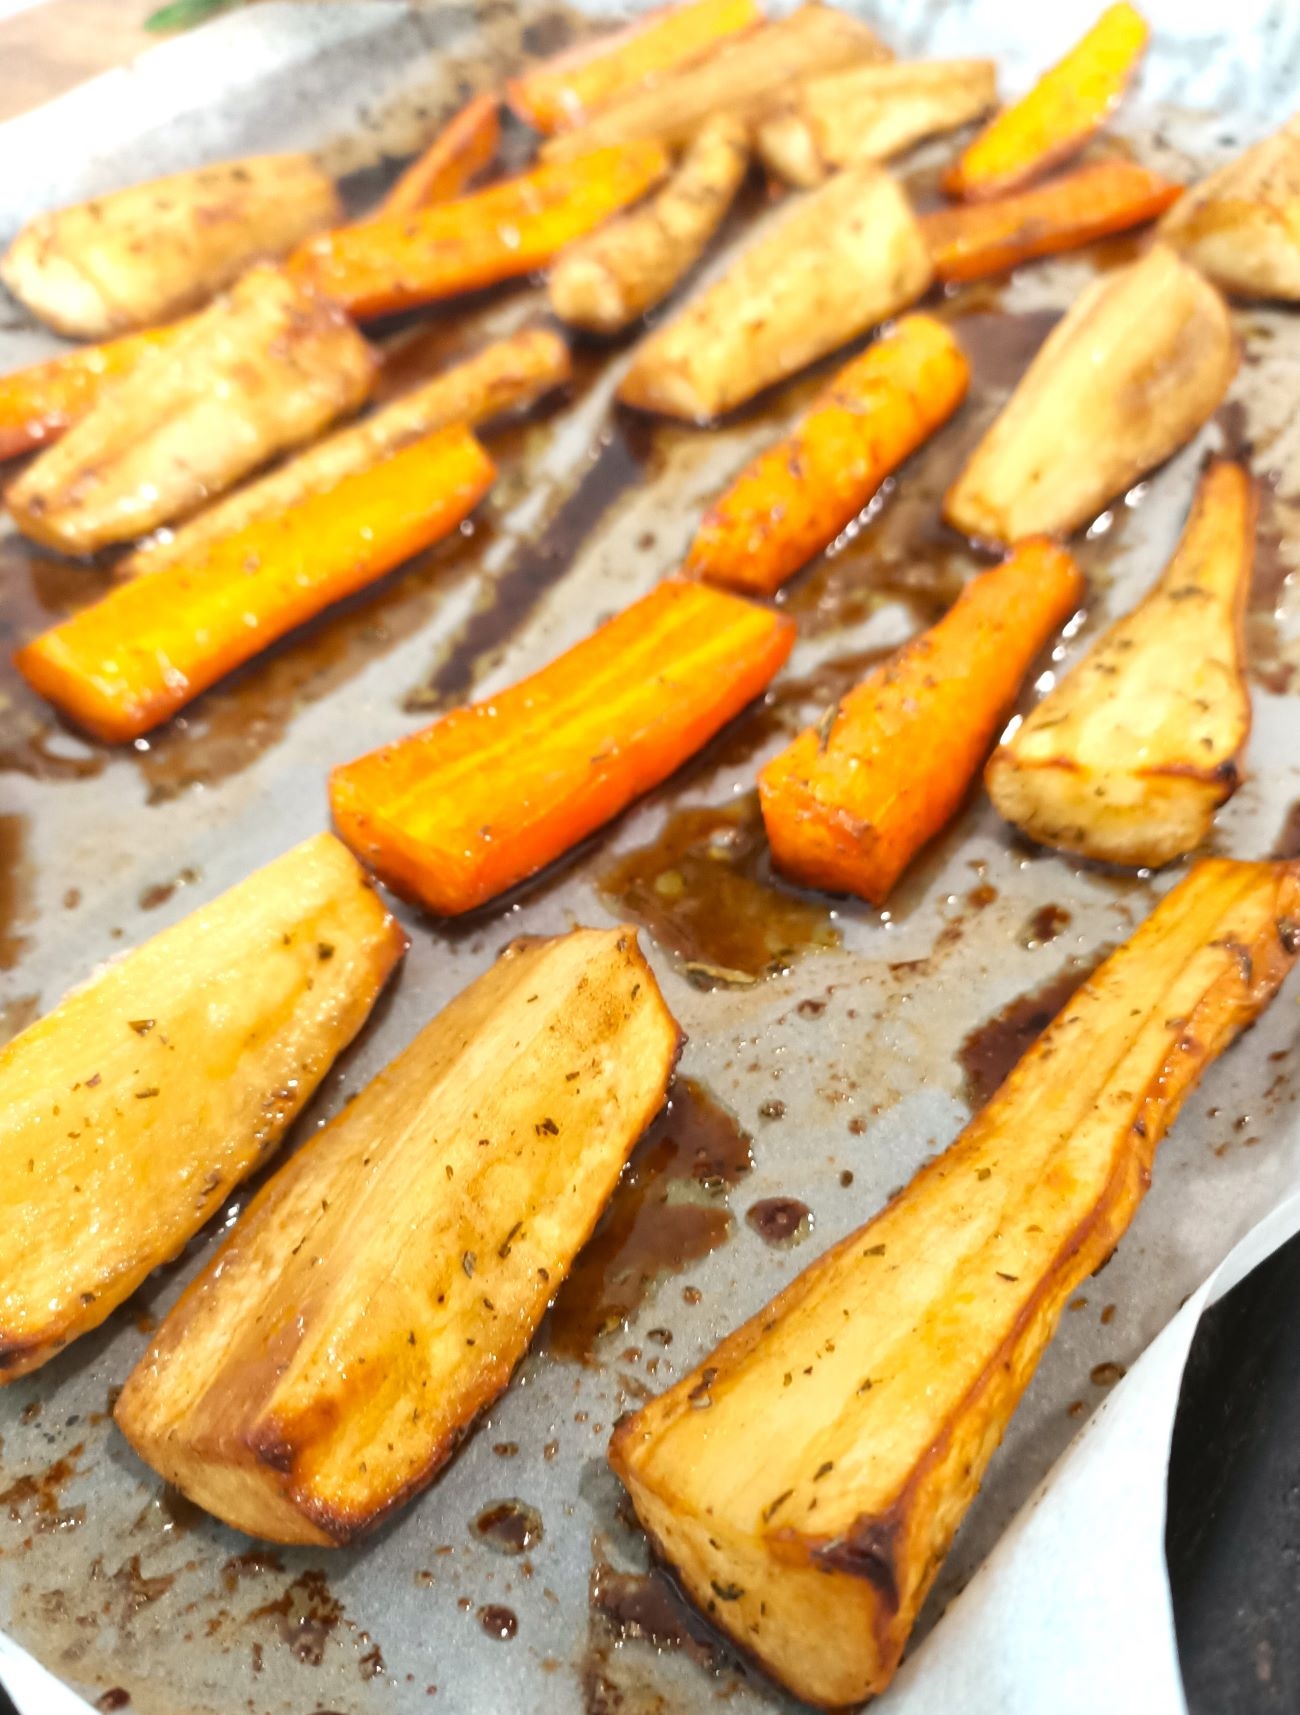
pixel 129 662
pixel 982 238
pixel 850 803
pixel 1060 113
pixel 39 403
pixel 397 261
pixel 461 150
pixel 564 91
pixel 489 794
pixel 798 495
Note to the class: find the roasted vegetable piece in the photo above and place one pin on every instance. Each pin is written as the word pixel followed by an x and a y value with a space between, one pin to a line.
pixel 839 260
pixel 1132 753
pixel 1143 357
pixel 40 403
pixel 564 91
pixel 126 664
pixel 483 798
pixel 399 261
pixel 380 1290
pixel 1241 226
pixel 505 376
pixel 130 1112
pixel 976 239
pixel 798 495
pixel 747 78
pixel 849 804
pixel 461 150
pixel 259 371
pixel 152 251
pixel 805 1482
pixel 871 113
pixel 620 271
pixel 1060 113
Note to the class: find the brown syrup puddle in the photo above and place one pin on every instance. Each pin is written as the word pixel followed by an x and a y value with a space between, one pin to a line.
pixel 509 1527
pixel 780 1220
pixel 670 1209
pixel 989 1053
pixel 15 890
pixel 307 1615
pixel 1287 843
pixel 637 1607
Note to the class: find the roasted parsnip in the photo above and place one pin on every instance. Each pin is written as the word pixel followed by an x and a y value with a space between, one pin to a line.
pixel 842 258
pixel 1128 758
pixel 1140 361
pixel 380 1290
pixel 261 370
pixel 129 1113
pixel 152 251
pixel 806 1480
pixel 1241 226
pixel 607 280
pixel 871 113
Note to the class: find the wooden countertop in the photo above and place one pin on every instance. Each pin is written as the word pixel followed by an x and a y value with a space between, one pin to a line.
pixel 51 47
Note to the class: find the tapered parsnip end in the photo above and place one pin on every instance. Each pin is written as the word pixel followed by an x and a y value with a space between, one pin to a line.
pixel 1241 226
pixel 130 1112
pixel 379 1291
pixel 1141 360
pixel 806 1480
pixel 1129 757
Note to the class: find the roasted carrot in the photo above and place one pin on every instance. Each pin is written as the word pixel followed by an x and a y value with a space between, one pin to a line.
pixel 130 661
pixel 39 403
pixel 798 495
pixel 1059 114
pixel 461 150
pixel 397 261
pixel 849 804
pixel 967 243
pixel 564 91
pixel 489 794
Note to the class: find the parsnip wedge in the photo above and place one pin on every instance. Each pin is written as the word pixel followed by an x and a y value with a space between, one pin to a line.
pixel 150 252
pixel 1128 758
pixel 806 1480
pixel 1241 226
pixel 129 1113
pixel 260 370
pixel 1141 360
pixel 871 113
pixel 381 1288
pixel 842 258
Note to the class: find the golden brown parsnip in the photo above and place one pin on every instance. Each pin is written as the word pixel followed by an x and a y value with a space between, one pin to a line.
pixel 871 113
pixel 806 1480
pixel 839 260
pixel 149 252
pixel 1241 225
pixel 129 1113
pixel 607 280
pixel 264 368
pixel 1142 358
pixel 1128 758
pixel 381 1288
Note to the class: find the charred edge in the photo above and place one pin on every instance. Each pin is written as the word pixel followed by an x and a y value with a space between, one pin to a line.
pixel 1288 933
pixel 17 1355
pixel 868 1550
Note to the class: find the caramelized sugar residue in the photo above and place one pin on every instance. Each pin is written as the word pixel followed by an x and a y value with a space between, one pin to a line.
pixel 1287 843
pixel 306 1615
pixel 988 1054
pixel 645 1607
pixel 779 1220
pixel 15 890
pixel 509 1527
pixel 1273 612
pixel 37 591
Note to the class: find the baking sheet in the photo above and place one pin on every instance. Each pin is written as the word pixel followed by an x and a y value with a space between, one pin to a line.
pixel 845 1065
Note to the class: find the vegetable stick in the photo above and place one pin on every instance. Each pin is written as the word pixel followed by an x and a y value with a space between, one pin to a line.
pixel 398 261
pixel 127 663
pixel 461 150
pixel 981 238
pixel 39 403
pixel 1059 114
pixel 849 804
pixel 565 90
pixel 506 375
pixel 454 815
pixel 621 270
pixel 799 494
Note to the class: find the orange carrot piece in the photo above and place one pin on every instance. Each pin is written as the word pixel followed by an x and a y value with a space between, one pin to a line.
pixel 130 661
pixel 798 495
pixel 397 261
pixel 1059 114
pixel 981 238
pixel 489 794
pixel 564 91
pixel 850 803
pixel 38 404
pixel 461 150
